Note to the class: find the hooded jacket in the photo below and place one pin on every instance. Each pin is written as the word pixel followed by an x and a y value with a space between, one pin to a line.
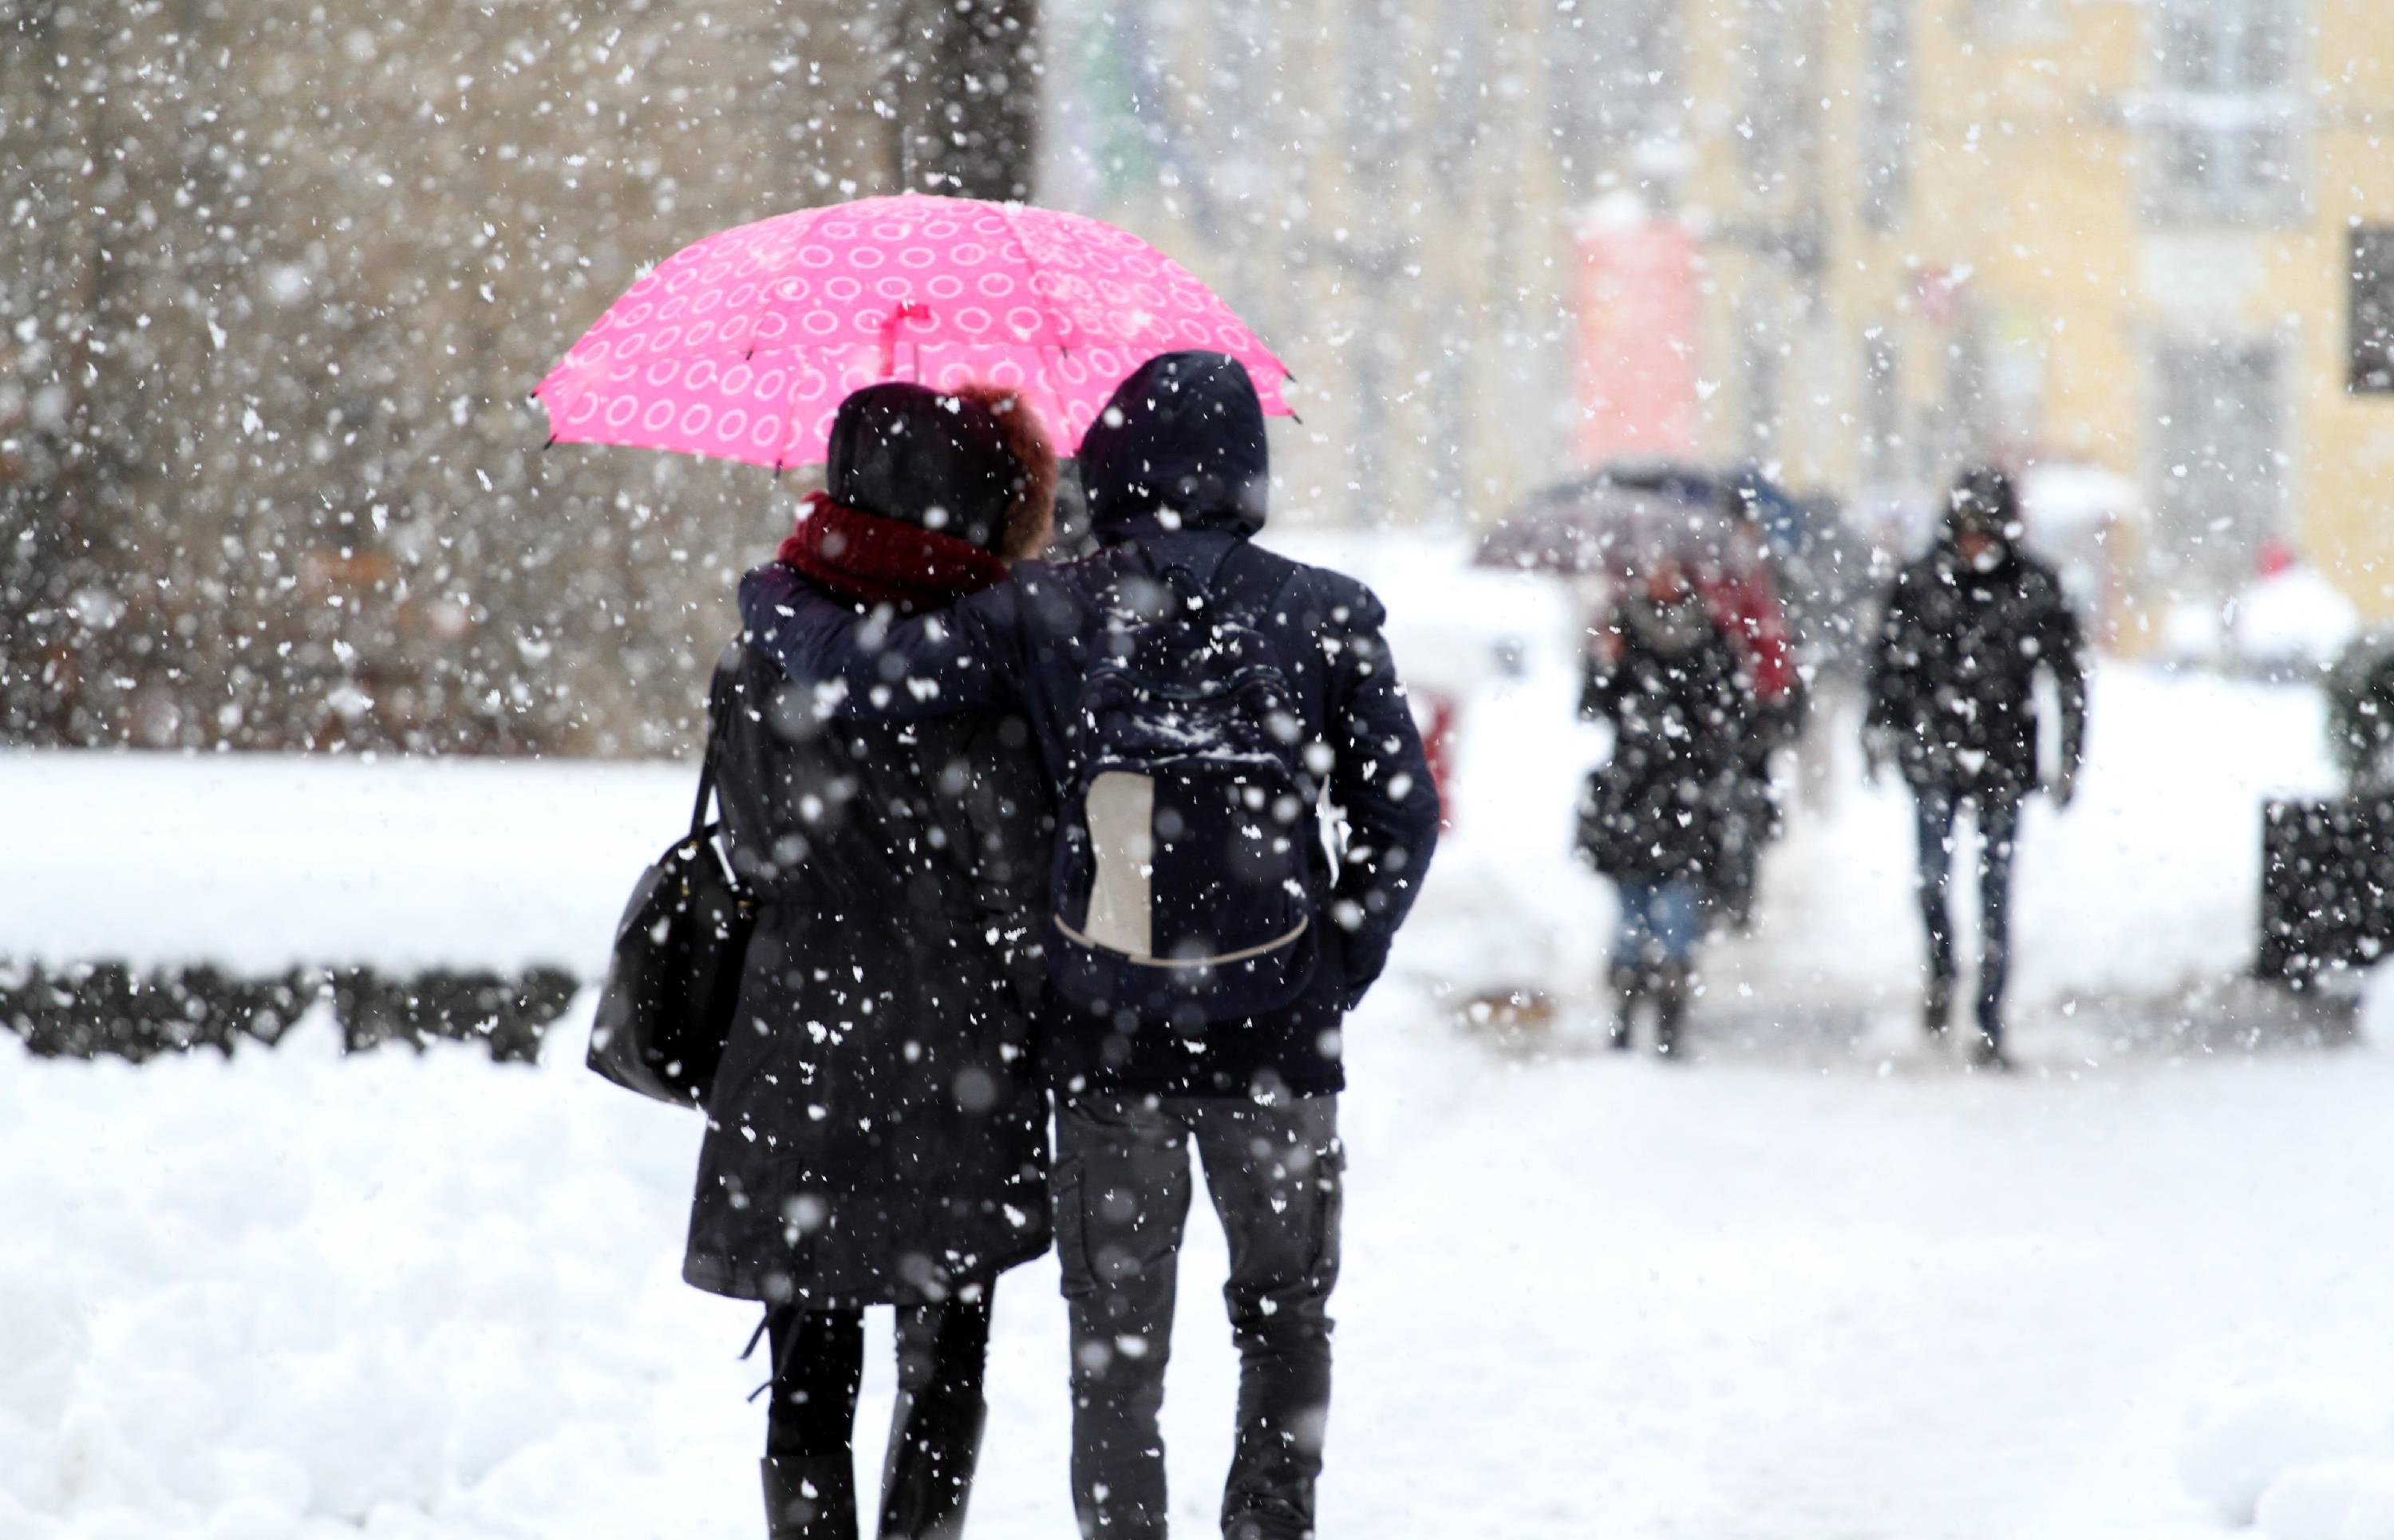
pixel 1954 670
pixel 1174 473
pixel 1182 444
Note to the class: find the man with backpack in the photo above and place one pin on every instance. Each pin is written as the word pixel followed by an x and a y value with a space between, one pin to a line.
pixel 1196 702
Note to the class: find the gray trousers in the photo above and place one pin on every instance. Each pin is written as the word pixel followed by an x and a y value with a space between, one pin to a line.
pixel 1121 1188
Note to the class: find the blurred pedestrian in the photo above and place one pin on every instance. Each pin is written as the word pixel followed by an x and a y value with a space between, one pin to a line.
pixel 1953 707
pixel 876 1135
pixel 1742 594
pixel 1662 816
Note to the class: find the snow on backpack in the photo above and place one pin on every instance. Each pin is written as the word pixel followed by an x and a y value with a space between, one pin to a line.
pixel 1183 886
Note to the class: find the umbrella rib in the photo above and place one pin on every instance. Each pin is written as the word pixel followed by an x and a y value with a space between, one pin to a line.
pixel 790 433
pixel 1055 312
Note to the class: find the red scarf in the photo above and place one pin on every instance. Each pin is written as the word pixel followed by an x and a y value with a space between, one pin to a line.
pixel 867 559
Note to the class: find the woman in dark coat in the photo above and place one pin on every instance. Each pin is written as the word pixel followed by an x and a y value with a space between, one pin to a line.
pixel 1662 815
pixel 875 1134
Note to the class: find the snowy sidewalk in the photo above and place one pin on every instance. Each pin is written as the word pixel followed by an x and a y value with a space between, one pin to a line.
pixel 1584 1296
pixel 1792 1291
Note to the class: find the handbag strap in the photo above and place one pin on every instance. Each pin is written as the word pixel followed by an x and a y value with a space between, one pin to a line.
pixel 719 712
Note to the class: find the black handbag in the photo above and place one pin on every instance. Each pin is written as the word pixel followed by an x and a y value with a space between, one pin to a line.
pixel 673 987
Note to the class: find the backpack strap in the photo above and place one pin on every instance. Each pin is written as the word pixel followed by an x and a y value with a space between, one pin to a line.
pixel 1262 586
pixel 1185 585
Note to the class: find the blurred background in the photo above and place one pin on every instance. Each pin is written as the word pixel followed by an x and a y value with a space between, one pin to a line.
pixel 277 279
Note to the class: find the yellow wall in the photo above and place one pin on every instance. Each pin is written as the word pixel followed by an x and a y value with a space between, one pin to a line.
pixel 1409 262
pixel 2346 457
pixel 2025 176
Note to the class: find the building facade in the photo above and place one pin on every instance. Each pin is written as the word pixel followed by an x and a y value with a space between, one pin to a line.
pixel 1385 190
pixel 2148 237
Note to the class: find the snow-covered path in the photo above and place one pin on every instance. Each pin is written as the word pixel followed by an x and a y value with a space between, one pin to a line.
pixel 1801 1288
pixel 1752 1301
pixel 1584 1296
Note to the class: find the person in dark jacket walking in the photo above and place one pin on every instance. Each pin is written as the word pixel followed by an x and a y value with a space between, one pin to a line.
pixel 876 1133
pixel 1175 474
pixel 1952 706
pixel 1662 816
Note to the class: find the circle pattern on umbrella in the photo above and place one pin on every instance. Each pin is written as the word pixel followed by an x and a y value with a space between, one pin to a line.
pixel 743 344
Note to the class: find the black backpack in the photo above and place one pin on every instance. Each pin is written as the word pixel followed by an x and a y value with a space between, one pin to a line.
pixel 1183 886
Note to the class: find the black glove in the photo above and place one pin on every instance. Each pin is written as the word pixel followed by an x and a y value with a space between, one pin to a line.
pixel 2065 785
pixel 1879 752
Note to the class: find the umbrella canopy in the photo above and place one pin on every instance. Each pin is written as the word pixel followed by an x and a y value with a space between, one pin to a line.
pixel 743 346
pixel 1594 526
pixel 1750 491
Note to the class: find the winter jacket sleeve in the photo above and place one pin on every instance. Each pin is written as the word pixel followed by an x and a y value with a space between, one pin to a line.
pixel 1600 686
pixel 1894 661
pixel 1380 778
pixel 1735 707
pixel 2061 647
pixel 963 658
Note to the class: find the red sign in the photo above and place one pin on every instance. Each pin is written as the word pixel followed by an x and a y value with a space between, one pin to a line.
pixel 1637 363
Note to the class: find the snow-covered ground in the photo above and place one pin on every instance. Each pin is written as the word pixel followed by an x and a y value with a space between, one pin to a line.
pixel 264 862
pixel 1817 1283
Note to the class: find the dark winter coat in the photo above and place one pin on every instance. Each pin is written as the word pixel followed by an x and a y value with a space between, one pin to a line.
pixel 1670 801
pixel 876 1132
pixel 1175 477
pixel 1954 672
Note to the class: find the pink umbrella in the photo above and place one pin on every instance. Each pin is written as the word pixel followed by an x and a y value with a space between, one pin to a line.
pixel 743 346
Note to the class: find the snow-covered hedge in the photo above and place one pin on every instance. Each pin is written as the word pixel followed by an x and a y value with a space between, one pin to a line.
pixel 162 900
pixel 92 1008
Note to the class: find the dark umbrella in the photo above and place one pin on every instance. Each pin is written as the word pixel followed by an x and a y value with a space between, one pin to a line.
pixel 1599 525
pixel 1747 491
pixel 1821 574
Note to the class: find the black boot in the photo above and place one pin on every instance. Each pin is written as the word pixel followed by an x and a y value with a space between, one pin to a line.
pixel 1936 1006
pixel 1987 1045
pixel 1670 1006
pixel 934 1446
pixel 1627 987
pixel 811 1498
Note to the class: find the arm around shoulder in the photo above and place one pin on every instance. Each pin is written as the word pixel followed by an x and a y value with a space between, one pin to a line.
pixel 890 668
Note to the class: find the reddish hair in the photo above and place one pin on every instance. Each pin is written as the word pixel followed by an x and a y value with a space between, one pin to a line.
pixel 1031 518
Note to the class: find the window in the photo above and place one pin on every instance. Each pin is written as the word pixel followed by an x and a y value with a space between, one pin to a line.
pixel 2370 344
pixel 1614 72
pixel 2011 20
pixel 1772 107
pixel 2221 141
pixel 1882 409
pixel 1762 348
pixel 2218 479
pixel 1887 112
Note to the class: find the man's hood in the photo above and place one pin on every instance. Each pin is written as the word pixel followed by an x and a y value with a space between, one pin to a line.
pixel 1181 441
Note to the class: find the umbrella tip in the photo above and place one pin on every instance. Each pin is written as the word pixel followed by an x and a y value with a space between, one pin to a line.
pixel 552 443
pixel 532 394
